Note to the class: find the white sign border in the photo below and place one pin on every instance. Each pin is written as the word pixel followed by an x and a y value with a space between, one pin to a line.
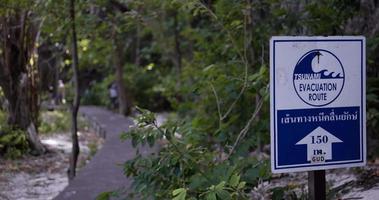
pixel 273 125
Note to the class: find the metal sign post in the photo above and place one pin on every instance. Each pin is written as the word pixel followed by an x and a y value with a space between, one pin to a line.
pixel 318 105
pixel 316 185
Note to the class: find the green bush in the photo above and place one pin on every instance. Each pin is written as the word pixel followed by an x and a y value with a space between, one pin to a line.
pixel 54 121
pixel 186 168
pixel 372 117
pixel 97 93
pixel 13 142
pixel 3 118
pixel 141 82
pixel 220 92
pixel 142 85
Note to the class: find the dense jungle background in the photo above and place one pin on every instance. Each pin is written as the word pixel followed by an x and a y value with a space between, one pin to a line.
pixel 206 62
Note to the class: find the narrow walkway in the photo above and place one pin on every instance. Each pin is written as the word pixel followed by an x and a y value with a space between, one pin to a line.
pixel 104 172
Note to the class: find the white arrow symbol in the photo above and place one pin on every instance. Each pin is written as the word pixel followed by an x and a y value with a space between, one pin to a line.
pixel 319 145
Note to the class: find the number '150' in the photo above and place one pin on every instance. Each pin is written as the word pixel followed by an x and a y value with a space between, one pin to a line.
pixel 318 139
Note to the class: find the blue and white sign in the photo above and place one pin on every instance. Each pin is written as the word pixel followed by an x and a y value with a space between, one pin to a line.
pixel 318 109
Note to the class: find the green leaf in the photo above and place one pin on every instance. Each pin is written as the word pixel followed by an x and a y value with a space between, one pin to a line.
pixel 104 196
pixel 178 191
pixel 236 23
pixel 252 174
pixel 220 186
pixel 211 196
pixel 150 140
pixel 197 181
pixel 234 180
pixel 179 194
pixel 223 194
pixel 124 136
pixel 241 185
pixel 208 67
pixel 146 117
pixel 278 193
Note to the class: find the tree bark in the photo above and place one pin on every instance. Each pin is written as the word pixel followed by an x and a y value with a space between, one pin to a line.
pixel 76 102
pixel 137 60
pixel 34 140
pixel 251 60
pixel 250 54
pixel 124 105
pixel 19 74
pixel 178 51
pixel 124 100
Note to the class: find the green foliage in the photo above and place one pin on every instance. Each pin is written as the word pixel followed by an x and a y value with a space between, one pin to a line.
pixel 207 61
pixel 142 82
pixel 93 147
pixel 185 167
pixel 54 121
pixel 106 195
pixel 97 93
pixel 3 118
pixel 13 142
pixel 372 116
pixel 328 17
pixel 219 92
pixel 287 192
pixel 179 194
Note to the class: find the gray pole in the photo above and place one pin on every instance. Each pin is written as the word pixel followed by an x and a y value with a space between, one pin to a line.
pixel 316 185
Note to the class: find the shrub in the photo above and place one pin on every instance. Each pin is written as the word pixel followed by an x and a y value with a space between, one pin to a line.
pixel 97 93
pixel 186 167
pixel 13 142
pixel 54 121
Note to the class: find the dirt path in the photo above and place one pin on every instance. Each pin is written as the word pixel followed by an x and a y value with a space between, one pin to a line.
pixel 43 177
pixel 104 172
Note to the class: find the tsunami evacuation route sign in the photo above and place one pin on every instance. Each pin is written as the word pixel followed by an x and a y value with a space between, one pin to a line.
pixel 317 102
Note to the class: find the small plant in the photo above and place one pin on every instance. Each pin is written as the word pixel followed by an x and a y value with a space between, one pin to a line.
pixel 93 147
pixel 186 169
pixel 54 121
pixel 13 142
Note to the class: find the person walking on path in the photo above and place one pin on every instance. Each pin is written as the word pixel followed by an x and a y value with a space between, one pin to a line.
pixel 113 95
pixel 61 92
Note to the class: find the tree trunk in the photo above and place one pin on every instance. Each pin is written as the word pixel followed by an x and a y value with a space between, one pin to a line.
pixel 124 100
pixel 250 54
pixel 178 51
pixel 33 139
pixel 76 102
pixel 19 74
pixel 124 105
pixel 137 60
pixel 251 60
pixel 56 84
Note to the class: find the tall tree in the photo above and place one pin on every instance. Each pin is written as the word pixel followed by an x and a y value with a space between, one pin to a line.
pixel 76 102
pixel 18 70
pixel 125 102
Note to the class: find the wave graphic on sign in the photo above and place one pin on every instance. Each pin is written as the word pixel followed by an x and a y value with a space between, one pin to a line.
pixel 319 64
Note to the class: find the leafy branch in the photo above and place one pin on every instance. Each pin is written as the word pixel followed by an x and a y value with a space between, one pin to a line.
pixel 242 56
pixel 246 129
pixel 147 118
